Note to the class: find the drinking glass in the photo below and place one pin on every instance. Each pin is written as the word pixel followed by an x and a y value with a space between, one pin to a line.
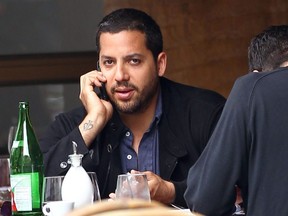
pixel 94 180
pixel 132 186
pixel 5 189
pixel 52 189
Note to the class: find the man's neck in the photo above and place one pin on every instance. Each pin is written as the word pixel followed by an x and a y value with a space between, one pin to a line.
pixel 139 122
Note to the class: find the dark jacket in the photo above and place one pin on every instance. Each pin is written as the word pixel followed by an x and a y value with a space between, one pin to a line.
pixel 249 149
pixel 188 118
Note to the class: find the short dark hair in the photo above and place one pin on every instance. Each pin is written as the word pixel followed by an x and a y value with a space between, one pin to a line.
pixel 132 19
pixel 269 49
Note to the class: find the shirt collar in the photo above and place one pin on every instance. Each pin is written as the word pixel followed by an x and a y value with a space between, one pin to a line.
pixel 158 112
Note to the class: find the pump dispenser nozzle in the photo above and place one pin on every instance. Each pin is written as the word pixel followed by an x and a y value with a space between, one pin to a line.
pixel 75 158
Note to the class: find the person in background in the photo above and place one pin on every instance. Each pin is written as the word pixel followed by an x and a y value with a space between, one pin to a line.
pixel 268 50
pixel 148 124
pixel 248 147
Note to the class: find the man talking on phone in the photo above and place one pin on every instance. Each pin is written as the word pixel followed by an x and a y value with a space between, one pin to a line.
pixel 148 124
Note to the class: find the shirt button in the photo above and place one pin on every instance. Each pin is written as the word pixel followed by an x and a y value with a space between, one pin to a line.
pixel 63 165
pixel 129 157
pixel 127 133
pixel 109 148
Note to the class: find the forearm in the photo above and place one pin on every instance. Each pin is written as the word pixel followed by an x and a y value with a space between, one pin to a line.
pixel 166 193
pixel 160 189
pixel 171 193
pixel 90 127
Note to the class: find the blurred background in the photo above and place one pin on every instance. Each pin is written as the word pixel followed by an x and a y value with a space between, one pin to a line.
pixel 45 45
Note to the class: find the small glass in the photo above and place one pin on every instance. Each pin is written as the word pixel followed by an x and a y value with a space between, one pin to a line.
pixel 132 186
pixel 52 189
pixel 94 180
pixel 5 189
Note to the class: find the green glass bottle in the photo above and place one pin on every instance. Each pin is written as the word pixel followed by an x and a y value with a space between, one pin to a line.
pixel 26 167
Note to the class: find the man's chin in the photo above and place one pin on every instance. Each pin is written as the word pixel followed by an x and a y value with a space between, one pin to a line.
pixel 128 108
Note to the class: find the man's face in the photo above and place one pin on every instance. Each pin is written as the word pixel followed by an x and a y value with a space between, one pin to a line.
pixel 132 77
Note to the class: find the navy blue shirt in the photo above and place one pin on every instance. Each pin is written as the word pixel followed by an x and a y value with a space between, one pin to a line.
pixel 148 152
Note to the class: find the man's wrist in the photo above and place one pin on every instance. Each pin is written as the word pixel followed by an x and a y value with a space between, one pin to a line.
pixel 171 192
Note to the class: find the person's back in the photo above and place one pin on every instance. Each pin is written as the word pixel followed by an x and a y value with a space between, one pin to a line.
pixel 268 149
pixel 248 148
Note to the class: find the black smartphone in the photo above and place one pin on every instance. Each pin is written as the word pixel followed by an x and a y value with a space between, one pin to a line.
pixel 103 93
pixel 102 90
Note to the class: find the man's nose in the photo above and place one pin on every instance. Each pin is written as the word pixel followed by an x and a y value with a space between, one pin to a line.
pixel 121 73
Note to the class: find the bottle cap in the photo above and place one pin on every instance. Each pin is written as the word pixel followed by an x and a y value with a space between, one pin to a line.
pixel 75 159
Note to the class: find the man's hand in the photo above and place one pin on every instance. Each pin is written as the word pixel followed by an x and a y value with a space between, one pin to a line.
pixel 112 196
pixel 98 111
pixel 160 190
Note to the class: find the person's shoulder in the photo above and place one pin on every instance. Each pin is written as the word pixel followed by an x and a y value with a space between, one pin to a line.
pixel 260 79
pixel 75 114
pixel 190 92
pixel 77 111
pixel 280 74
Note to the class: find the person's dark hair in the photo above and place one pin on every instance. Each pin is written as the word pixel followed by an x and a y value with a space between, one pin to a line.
pixel 269 49
pixel 132 19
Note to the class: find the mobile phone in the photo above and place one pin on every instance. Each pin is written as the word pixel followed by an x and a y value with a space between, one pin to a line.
pixel 103 94
pixel 102 90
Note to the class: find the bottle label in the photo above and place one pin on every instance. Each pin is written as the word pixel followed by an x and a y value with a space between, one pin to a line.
pixel 15 144
pixel 25 191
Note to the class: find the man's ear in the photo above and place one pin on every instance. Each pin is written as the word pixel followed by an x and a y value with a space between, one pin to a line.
pixel 284 64
pixel 161 63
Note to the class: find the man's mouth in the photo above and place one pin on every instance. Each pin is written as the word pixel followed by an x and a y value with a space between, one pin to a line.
pixel 123 93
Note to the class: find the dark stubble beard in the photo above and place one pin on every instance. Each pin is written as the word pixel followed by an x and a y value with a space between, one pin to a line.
pixel 141 101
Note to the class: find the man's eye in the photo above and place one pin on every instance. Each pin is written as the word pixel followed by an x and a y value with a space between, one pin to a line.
pixel 108 62
pixel 135 61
